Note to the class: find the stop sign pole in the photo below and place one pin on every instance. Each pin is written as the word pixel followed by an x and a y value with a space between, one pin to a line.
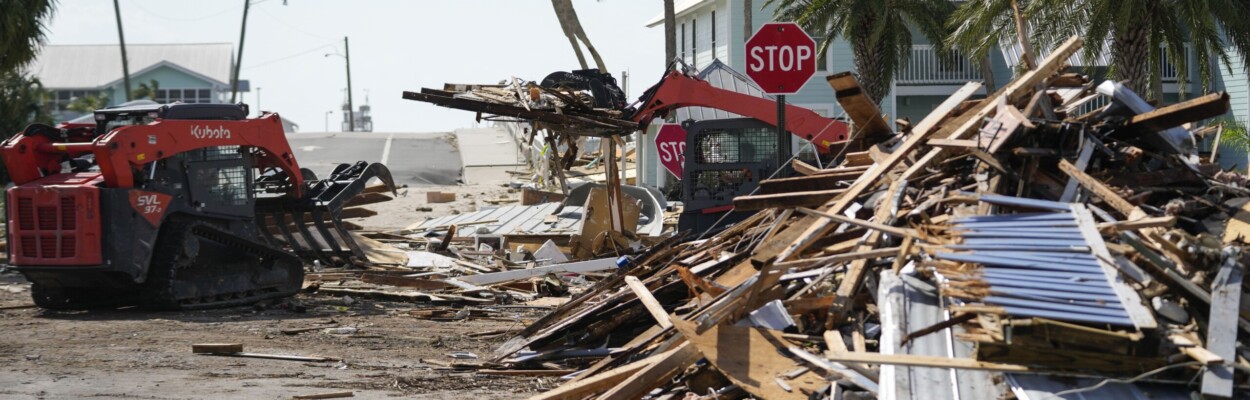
pixel 781 57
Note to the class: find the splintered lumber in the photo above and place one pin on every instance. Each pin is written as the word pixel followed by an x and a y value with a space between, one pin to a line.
pixel 804 183
pixel 526 372
pixel 1222 329
pixel 599 382
pixel 1104 192
pixel 749 358
pixel 601 264
pixel 648 300
pixel 800 235
pixel 216 348
pixel 784 200
pixel 1194 351
pixel 656 374
pixel 1209 106
pixel 391 280
pixel 331 395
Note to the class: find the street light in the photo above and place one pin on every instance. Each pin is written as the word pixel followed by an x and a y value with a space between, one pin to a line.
pixel 347 56
pixel 328 113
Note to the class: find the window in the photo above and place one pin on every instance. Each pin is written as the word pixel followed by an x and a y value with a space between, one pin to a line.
pixel 713 34
pixel 62 98
pixel 694 42
pixel 184 95
pixel 683 42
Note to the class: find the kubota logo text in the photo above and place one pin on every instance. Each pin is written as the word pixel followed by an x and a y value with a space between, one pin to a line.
pixel 205 132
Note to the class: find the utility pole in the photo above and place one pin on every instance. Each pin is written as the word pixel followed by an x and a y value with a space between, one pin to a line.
pixel 351 111
pixel 238 61
pixel 122 39
pixel 258 101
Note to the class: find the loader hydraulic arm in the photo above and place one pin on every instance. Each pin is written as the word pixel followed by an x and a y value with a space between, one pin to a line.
pixel 678 90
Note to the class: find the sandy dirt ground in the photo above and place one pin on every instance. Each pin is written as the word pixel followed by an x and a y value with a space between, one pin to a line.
pixel 137 354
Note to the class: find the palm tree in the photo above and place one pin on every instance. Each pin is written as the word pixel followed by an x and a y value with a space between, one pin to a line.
pixel 572 27
pixel 879 31
pixel 1136 32
pixel 22 31
pixel 146 90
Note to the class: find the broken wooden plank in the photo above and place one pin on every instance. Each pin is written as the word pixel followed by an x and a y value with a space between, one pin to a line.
pixel 331 395
pixel 1210 105
pixel 656 374
pixel 526 372
pixel 1104 192
pixel 864 114
pixel 597 383
pixel 216 348
pixel 805 183
pixel 784 200
pixel 1195 351
pixel 648 300
pixel 602 264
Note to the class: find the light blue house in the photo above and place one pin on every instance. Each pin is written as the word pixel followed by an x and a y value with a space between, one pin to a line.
pixel 189 73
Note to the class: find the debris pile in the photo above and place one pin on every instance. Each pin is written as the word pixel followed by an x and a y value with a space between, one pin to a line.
pixel 1011 246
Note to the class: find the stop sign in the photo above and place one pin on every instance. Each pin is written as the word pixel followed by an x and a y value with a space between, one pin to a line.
pixel 671 144
pixel 781 57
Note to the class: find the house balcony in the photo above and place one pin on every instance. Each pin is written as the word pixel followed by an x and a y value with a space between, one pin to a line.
pixel 926 68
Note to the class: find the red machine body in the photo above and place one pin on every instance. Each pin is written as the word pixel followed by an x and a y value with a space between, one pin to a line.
pixel 678 90
pixel 56 221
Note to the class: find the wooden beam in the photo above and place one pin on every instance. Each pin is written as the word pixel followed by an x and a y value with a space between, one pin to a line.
pixel 1104 192
pixel 863 111
pixel 784 200
pixel 1209 106
pixel 886 229
pixel 804 183
pixel 1152 222
pixel 648 300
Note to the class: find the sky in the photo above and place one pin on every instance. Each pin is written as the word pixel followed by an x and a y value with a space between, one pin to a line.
pixel 396 45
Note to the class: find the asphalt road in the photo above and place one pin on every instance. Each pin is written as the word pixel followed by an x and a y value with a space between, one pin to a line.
pixel 415 159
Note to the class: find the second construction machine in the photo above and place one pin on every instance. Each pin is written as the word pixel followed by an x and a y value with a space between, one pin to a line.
pixel 181 206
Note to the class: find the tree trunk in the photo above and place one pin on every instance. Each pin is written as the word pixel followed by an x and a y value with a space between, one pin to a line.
pixel 748 26
pixel 873 78
pixel 670 33
pixel 562 9
pixel 1130 54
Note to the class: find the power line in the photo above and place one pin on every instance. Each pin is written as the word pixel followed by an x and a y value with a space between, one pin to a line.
pixel 295 28
pixel 291 56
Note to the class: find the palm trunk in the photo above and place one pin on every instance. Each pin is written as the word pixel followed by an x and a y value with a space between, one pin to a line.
pixel 873 78
pixel 747 26
pixel 1130 53
pixel 563 10
pixel 670 33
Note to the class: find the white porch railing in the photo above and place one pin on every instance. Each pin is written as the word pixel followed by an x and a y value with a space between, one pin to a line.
pixel 926 68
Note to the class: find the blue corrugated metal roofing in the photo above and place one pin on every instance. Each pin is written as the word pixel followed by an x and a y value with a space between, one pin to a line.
pixel 1037 264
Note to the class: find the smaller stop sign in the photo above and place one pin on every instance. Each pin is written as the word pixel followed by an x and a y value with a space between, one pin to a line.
pixel 781 57
pixel 670 141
